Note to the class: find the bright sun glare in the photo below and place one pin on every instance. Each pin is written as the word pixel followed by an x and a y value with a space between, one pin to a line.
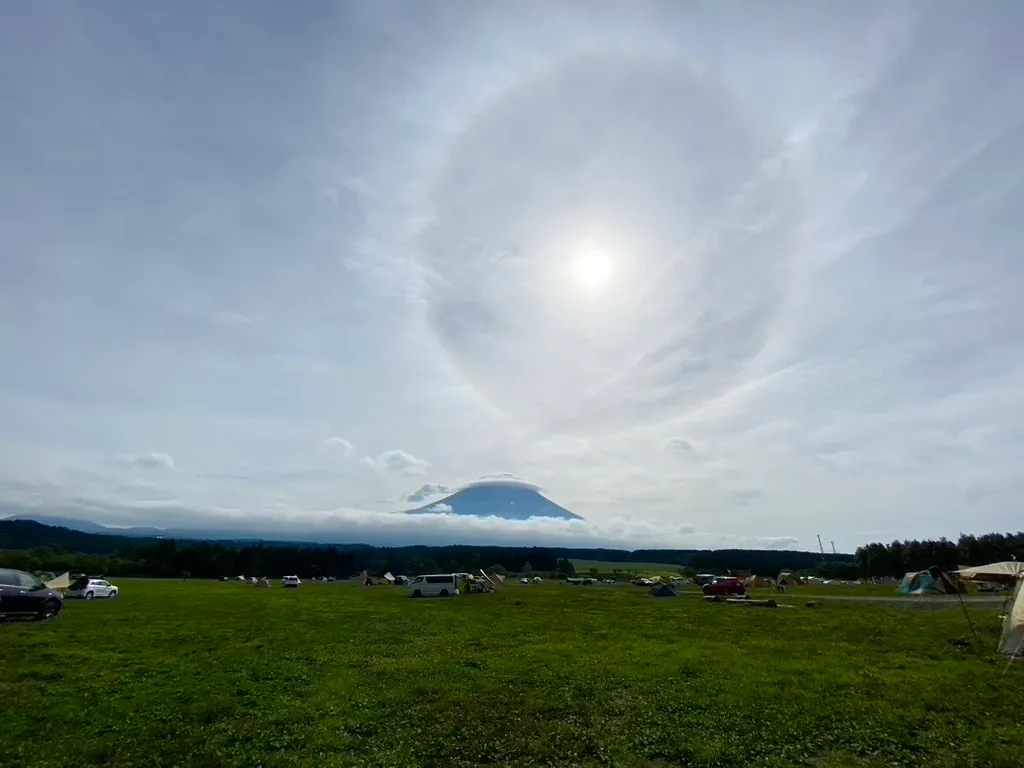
pixel 593 269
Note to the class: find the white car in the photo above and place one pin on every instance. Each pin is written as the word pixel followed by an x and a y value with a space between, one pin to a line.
pixel 434 585
pixel 291 582
pixel 90 588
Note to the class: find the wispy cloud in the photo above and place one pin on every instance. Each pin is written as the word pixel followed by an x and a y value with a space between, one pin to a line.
pixel 150 460
pixel 398 462
pixel 427 490
pixel 341 445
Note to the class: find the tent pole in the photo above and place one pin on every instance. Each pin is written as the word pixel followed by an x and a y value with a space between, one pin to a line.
pixel 960 599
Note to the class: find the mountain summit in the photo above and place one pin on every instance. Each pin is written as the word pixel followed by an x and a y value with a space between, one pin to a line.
pixel 502 496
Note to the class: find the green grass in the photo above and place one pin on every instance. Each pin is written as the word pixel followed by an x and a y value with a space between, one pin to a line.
pixel 208 674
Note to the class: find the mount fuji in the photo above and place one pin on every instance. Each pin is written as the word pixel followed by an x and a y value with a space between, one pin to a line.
pixel 503 496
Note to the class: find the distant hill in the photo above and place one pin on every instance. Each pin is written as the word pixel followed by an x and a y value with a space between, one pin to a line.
pixel 511 500
pixel 64 522
pixel 30 534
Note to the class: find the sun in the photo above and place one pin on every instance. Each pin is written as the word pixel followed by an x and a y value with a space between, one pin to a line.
pixel 592 269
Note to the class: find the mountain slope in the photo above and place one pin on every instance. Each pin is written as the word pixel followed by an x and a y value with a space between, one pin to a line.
pixel 85 526
pixel 511 501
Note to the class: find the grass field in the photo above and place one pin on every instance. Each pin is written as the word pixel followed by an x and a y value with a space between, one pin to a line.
pixel 643 569
pixel 210 674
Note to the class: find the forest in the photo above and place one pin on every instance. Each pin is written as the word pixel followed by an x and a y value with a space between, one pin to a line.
pixel 899 557
pixel 29 545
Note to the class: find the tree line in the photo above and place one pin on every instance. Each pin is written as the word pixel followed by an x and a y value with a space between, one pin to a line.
pixel 900 557
pixel 125 556
pixel 28 545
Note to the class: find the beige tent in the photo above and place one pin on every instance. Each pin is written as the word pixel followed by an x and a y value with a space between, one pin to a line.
pixel 757 581
pixel 1012 641
pixel 262 583
pixel 364 580
pixel 788 579
pixel 1009 570
pixel 389 578
pixel 61 582
pixel 494 580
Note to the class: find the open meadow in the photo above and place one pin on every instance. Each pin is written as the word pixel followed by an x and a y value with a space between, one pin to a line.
pixel 211 674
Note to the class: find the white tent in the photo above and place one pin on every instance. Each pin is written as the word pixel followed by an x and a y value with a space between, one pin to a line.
pixel 389 578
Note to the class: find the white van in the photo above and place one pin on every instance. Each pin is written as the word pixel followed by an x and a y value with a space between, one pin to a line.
pixel 435 585
pixel 290 582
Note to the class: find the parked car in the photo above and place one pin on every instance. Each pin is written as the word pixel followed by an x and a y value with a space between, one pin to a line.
pixel 724 585
pixel 22 595
pixel 291 582
pixel 434 585
pixel 87 589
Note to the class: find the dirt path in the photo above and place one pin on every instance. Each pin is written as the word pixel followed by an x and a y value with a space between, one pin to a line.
pixel 916 601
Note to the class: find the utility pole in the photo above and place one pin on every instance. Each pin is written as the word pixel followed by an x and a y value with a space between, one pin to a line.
pixel 819 544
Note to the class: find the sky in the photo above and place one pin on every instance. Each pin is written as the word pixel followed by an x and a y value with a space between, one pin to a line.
pixel 711 274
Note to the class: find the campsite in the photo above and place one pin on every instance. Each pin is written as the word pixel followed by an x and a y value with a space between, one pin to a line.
pixel 202 672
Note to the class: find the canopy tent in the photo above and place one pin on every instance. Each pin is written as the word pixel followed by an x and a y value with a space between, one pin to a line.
pixel 1009 570
pixel 389 578
pixel 60 582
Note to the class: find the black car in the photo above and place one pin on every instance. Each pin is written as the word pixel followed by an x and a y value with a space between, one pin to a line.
pixel 23 596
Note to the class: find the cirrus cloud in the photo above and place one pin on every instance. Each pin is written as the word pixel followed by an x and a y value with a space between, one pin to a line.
pixel 148 460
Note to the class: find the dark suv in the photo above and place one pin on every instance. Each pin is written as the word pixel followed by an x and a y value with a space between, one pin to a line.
pixel 23 596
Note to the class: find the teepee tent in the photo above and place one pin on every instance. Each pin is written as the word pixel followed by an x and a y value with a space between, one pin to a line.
pixel 262 583
pixel 60 582
pixel 365 580
pixel 788 579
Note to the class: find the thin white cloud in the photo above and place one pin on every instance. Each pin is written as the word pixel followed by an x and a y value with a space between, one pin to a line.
pixel 340 445
pixel 441 509
pixel 149 460
pixel 398 462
